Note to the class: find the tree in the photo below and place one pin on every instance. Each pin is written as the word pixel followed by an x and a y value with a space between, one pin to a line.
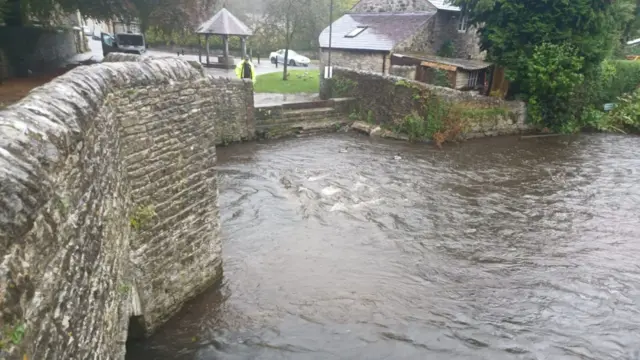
pixel 289 15
pixel 299 19
pixel 538 40
pixel 172 15
pixel 17 12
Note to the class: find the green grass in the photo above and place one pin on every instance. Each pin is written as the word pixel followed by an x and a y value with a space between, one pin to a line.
pixel 300 81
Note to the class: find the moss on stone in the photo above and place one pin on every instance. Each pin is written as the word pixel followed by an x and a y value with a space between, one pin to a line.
pixel 12 335
pixel 142 216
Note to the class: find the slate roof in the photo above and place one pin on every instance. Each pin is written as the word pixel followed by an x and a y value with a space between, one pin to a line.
pixel 444 5
pixel 384 30
pixel 224 23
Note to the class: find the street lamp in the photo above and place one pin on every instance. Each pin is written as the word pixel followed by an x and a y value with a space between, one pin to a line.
pixel 330 33
pixel 328 71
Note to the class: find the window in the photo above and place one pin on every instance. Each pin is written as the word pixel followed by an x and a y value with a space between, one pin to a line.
pixel 473 79
pixel 355 32
pixel 107 40
pixel 462 24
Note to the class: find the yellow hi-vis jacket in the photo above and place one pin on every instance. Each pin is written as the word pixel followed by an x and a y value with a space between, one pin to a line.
pixel 240 70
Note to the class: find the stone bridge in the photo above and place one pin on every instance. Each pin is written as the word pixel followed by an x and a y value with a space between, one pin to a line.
pixel 108 196
pixel 108 204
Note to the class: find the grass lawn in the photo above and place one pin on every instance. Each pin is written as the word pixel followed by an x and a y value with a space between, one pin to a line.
pixel 300 81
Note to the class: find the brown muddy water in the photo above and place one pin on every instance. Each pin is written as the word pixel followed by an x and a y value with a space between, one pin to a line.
pixel 345 247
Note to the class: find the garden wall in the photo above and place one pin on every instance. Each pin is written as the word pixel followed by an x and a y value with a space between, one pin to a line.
pixel 391 100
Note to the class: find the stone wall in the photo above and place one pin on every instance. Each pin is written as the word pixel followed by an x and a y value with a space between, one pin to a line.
pixel 408 72
pixel 108 205
pixel 36 49
pixel 371 6
pixel 232 102
pixel 442 29
pixel 374 61
pixel 391 99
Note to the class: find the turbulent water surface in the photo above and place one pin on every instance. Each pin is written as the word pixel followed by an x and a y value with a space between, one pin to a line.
pixel 343 247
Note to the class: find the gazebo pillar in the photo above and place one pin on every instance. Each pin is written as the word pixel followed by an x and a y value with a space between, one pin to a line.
pixel 243 40
pixel 224 24
pixel 225 39
pixel 207 45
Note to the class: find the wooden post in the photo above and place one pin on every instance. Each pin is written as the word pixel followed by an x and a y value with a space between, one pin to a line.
pixel 243 40
pixel 207 44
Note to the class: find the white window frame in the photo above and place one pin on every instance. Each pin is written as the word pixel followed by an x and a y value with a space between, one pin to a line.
pixel 462 24
pixel 357 31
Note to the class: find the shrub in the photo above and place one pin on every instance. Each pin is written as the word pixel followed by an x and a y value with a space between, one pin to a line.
pixel 626 115
pixel 553 74
pixel 626 79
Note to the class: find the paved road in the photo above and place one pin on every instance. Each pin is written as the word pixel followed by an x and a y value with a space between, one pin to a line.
pixel 96 54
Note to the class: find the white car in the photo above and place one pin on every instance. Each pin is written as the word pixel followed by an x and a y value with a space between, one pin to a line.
pixel 294 58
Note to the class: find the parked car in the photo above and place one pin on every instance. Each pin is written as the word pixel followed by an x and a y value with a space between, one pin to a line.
pixel 87 31
pixel 294 58
pixel 125 43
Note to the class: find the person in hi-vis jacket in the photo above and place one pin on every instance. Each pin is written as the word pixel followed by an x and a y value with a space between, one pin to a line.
pixel 245 70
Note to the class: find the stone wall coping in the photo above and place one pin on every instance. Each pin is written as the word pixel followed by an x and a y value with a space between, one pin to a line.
pixel 40 131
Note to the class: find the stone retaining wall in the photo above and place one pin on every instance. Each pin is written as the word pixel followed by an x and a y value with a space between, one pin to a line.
pixel 388 100
pixel 108 204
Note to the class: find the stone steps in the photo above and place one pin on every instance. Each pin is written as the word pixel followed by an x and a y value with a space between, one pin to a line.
pixel 299 119
pixel 289 116
pixel 301 128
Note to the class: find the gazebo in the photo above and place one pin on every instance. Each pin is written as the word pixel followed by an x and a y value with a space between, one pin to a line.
pixel 224 24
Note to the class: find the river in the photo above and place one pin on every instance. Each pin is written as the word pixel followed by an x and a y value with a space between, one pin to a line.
pixel 346 247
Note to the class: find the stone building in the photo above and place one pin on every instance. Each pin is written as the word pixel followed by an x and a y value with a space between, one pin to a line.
pixel 374 30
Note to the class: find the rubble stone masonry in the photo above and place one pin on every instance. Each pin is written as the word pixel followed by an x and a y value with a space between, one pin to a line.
pixel 109 203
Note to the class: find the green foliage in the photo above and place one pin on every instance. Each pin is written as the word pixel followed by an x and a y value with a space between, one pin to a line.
pixel 297 23
pixel 429 118
pixel 625 117
pixel 142 216
pixel 368 117
pixel 512 29
pixel 342 87
pixel 417 127
pixel 622 76
pixel 447 49
pixel 12 334
pixel 124 289
pixel 552 50
pixel 157 36
pixel 483 113
pixel 440 78
pixel 552 74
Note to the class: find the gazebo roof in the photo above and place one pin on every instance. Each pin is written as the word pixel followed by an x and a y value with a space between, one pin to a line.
pixel 224 23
